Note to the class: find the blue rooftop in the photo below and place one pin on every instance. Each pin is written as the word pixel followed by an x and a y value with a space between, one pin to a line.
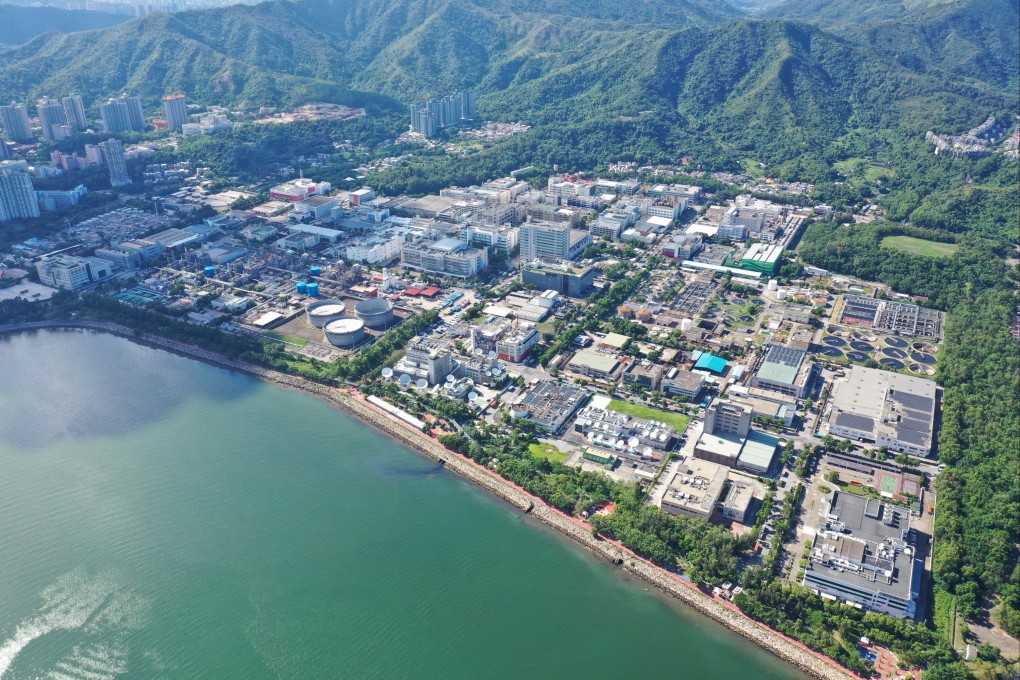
pixel 711 362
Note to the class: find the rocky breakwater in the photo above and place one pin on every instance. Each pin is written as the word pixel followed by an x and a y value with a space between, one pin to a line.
pixel 671 584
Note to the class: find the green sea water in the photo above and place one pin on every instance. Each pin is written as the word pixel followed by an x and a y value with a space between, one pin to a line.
pixel 162 518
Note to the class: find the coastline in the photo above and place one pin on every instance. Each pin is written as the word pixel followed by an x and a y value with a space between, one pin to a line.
pixel 350 403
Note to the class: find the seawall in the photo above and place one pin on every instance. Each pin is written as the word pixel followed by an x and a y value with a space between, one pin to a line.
pixel 770 640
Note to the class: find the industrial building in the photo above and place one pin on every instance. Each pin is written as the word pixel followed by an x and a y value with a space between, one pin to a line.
pixel 511 341
pixel 429 359
pixel 71 273
pixel 683 246
pixel 644 374
pixel 316 207
pixel 499 236
pixel 762 257
pixel 727 439
pixel 861 556
pixel 300 189
pixel 887 408
pixel 637 437
pixel 550 405
pixel 448 256
pixel 549 240
pixel 681 382
pixel 889 316
pixel 596 366
pixel 694 489
pixel 563 277
pixel 785 370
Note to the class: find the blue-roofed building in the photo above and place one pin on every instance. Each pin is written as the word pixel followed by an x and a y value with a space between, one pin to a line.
pixel 711 362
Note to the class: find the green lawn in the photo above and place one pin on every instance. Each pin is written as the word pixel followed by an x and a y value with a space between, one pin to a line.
pixel 919 246
pixel 547 451
pixel 292 339
pixel 678 421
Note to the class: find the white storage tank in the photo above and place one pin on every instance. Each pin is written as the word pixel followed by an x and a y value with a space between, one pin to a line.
pixel 773 284
pixel 321 312
pixel 346 332
pixel 685 325
pixel 375 312
pixel 781 294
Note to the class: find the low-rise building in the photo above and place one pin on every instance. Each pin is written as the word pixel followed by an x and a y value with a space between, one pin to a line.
pixel 550 405
pixel 861 555
pixel 428 359
pixel 644 374
pixel 683 246
pixel 499 236
pixel 299 189
pixel 890 409
pixel 56 200
pixel 785 370
pixel 694 489
pixel 375 250
pixel 316 207
pixel 563 277
pixel 448 256
pixel 684 383
pixel 68 273
pixel 762 257
pixel 595 365
pixel 602 426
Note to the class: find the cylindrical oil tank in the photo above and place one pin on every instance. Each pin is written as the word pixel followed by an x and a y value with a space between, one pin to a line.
pixel 346 332
pixel 316 271
pixel 375 312
pixel 781 294
pixel 313 289
pixel 302 288
pixel 210 271
pixel 685 325
pixel 773 285
pixel 321 312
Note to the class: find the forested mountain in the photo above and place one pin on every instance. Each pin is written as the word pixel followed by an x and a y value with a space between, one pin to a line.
pixel 970 38
pixel 683 74
pixel 21 24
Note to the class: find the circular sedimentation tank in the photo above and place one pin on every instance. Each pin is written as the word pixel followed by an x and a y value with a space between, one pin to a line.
pixel 375 312
pixel 345 332
pixel 321 312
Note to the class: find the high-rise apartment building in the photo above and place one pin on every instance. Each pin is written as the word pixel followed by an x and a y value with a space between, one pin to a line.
pixel 15 120
pixel 176 107
pixel 441 113
pixel 113 154
pixel 74 112
pixel 17 196
pixel 93 154
pixel 5 149
pixel 51 115
pixel 123 114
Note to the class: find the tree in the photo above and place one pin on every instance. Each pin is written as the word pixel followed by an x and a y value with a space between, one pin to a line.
pixel 832 476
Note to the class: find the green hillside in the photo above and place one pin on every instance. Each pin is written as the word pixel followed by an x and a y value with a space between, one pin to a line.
pixel 684 70
pixel 971 39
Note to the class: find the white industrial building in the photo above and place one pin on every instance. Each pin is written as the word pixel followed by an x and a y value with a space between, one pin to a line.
pixel 887 408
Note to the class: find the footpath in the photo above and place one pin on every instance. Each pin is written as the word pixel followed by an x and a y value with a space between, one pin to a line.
pixel 350 402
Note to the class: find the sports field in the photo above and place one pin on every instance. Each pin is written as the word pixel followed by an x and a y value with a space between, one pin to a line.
pixel 919 246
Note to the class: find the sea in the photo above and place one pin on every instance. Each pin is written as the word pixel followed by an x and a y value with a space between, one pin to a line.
pixel 164 518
